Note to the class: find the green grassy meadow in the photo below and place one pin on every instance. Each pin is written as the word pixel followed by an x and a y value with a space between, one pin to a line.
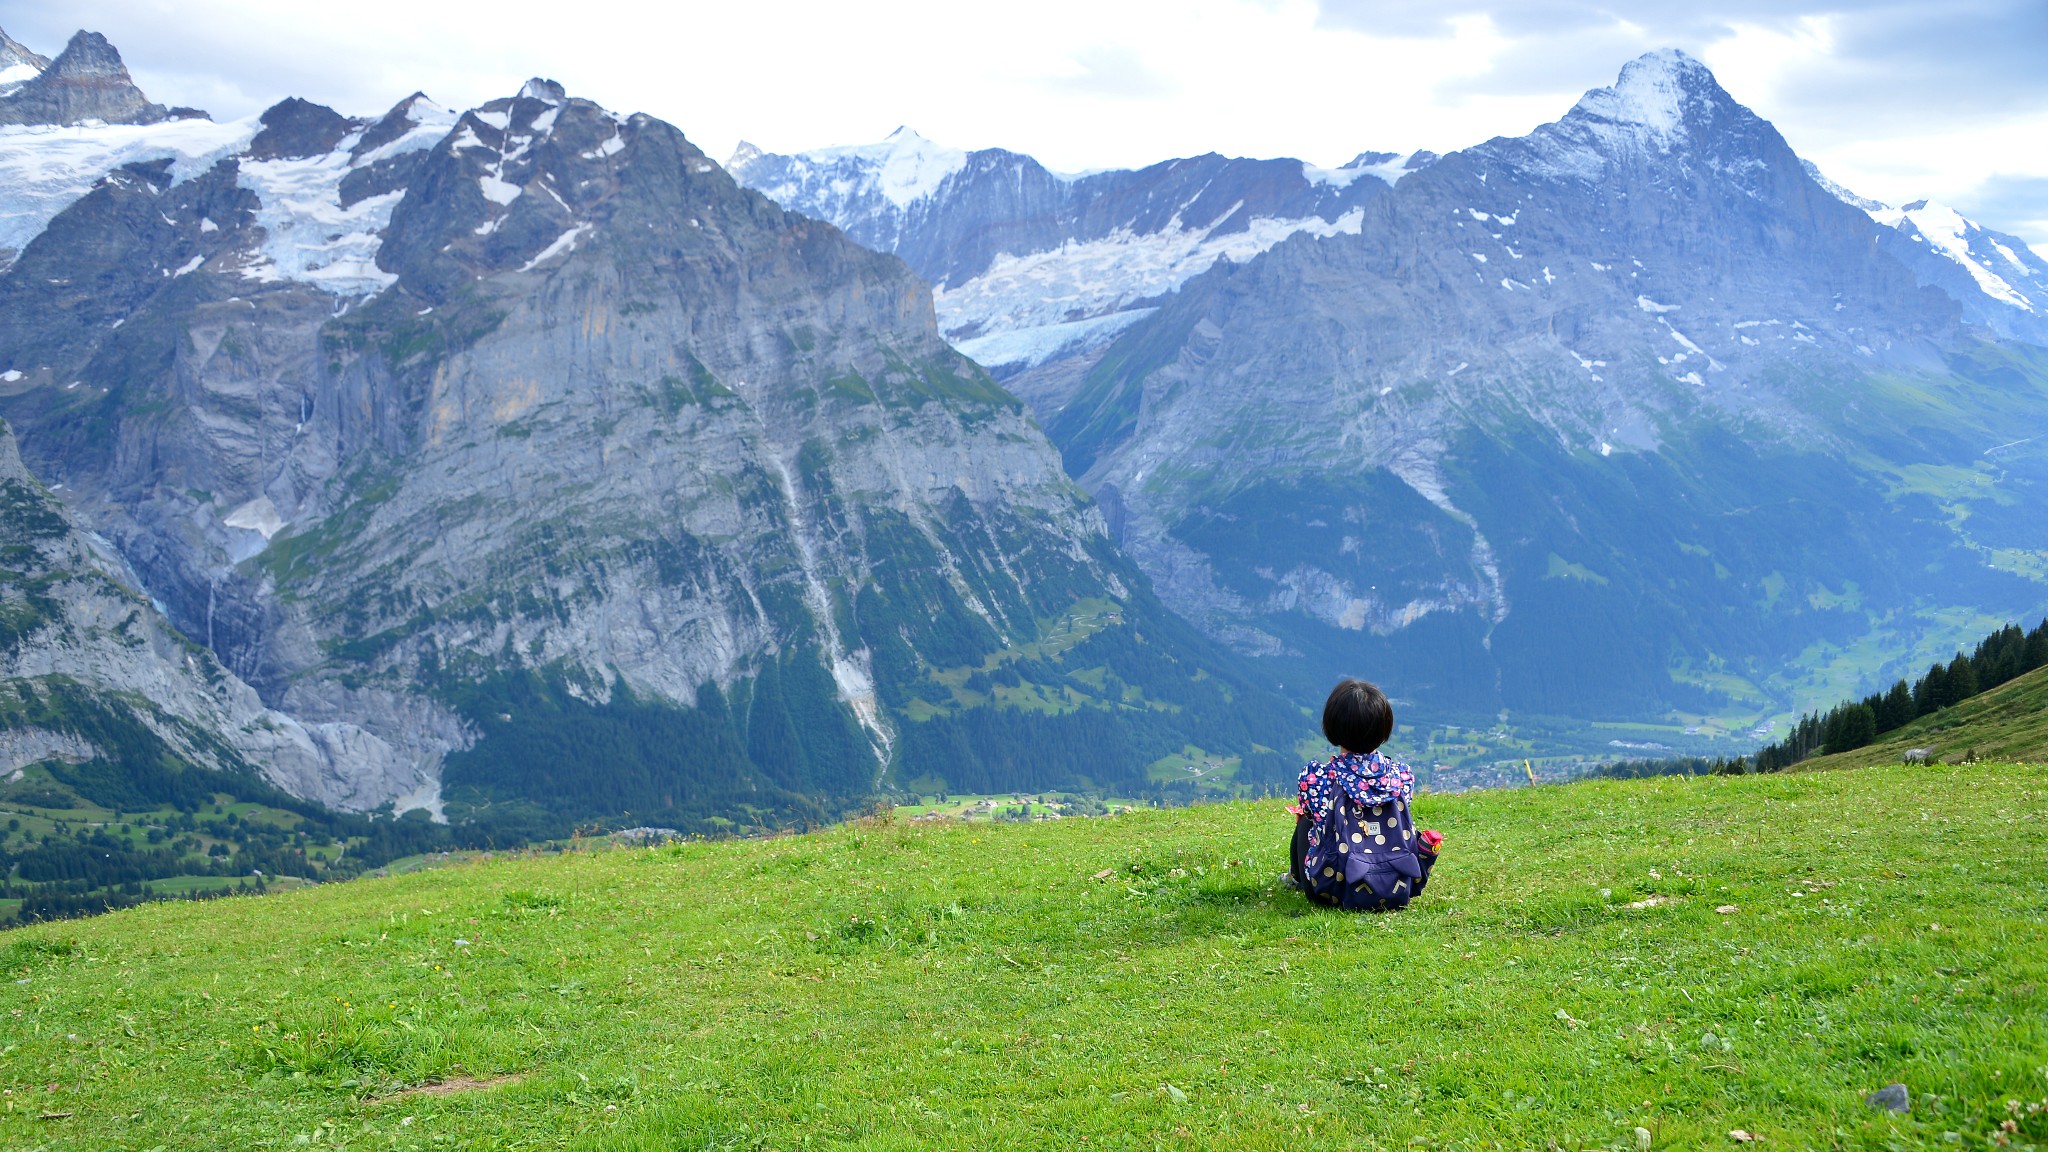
pixel 1687 956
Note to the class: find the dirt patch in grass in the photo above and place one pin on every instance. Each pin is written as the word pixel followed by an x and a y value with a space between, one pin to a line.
pixel 448 1087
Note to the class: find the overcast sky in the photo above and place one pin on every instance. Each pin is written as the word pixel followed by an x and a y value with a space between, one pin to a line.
pixel 1897 100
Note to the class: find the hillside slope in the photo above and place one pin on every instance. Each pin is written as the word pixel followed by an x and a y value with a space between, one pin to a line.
pixel 2010 722
pixel 1134 981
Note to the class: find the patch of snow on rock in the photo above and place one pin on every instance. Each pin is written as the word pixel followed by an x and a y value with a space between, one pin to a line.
pixel 1377 165
pixel 1093 278
pixel 258 515
pixel 498 191
pixel 566 242
pixel 1030 347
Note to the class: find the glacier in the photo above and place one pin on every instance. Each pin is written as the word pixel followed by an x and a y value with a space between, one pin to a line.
pixel 44 169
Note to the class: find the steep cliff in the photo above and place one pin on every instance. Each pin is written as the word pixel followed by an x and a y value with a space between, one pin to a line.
pixel 94 681
pixel 86 82
pixel 531 445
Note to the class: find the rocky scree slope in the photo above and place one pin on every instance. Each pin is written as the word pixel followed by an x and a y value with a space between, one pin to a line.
pixel 590 483
pixel 1628 418
pixel 1033 271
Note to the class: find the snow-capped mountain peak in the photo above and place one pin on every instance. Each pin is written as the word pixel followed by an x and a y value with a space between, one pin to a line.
pixel 903 168
pixel 545 91
pixel 1029 265
pixel 1650 101
pixel 2004 268
pixel 414 123
pixel 1389 167
pixel 1998 279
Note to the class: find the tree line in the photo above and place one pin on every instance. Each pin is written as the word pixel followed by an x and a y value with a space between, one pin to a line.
pixel 2005 655
pixel 2002 656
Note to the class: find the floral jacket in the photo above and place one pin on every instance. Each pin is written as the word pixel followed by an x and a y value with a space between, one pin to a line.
pixel 1369 779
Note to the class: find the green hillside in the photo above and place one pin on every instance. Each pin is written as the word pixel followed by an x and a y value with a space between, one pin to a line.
pixel 2010 722
pixel 1691 956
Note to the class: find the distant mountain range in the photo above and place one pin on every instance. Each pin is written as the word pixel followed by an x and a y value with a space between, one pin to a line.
pixel 1634 418
pixel 1028 265
pixel 521 465
pixel 570 480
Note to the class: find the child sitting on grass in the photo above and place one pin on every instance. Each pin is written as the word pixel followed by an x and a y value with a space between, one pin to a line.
pixel 1355 844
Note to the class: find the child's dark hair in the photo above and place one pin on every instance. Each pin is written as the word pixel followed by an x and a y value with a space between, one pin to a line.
pixel 1357 717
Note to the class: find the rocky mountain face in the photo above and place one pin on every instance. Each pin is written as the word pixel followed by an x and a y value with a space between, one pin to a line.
pixel 1634 418
pixel 1032 270
pixel 527 446
pixel 1629 417
pixel 86 82
pixel 95 681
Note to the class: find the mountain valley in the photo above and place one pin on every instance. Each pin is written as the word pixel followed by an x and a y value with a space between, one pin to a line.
pixel 524 467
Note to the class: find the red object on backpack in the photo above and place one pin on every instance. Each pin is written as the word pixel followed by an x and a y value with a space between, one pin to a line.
pixel 1432 838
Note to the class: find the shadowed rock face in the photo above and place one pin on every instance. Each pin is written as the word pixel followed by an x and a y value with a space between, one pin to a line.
pixel 86 660
pixel 462 429
pixel 86 82
pixel 296 129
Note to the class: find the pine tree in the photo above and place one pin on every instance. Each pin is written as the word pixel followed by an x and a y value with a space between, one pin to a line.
pixel 2037 648
pixel 1962 680
pixel 1897 709
pixel 1930 695
pixel 1852 726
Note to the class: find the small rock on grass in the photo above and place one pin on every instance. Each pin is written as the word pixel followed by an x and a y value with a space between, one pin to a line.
pixel 1891 1098
pixel 1642 1140
pixel 1741 1137
pixel 1726 909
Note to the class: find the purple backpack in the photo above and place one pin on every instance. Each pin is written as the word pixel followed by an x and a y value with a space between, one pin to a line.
pixel 1367 858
